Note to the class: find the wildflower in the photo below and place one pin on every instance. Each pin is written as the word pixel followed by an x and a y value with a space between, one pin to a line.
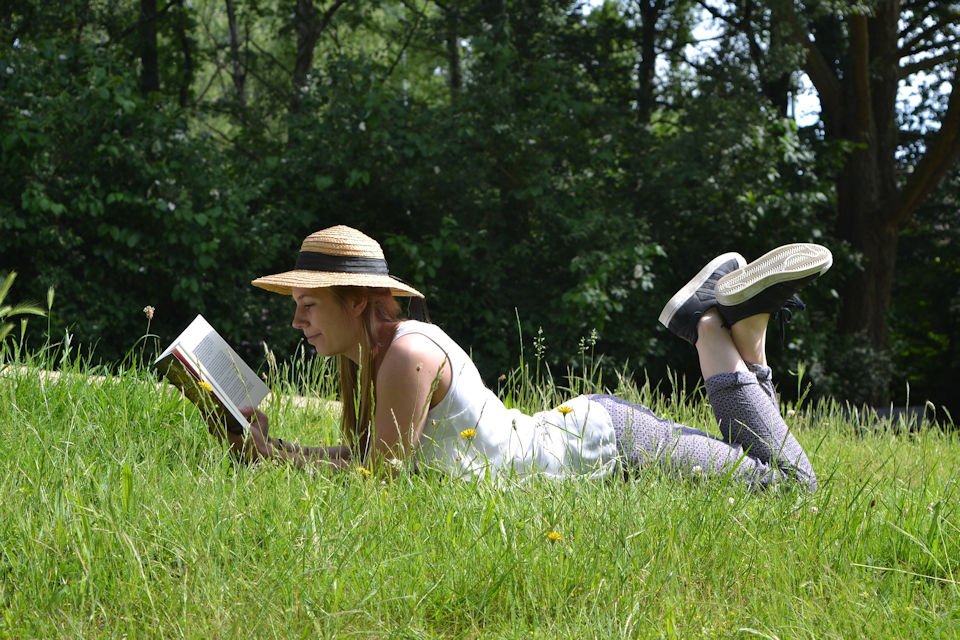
pixel 149 311
pixel 362 126
pixel 468 434
pixel 364 471
pixel 697 469
pixel 554 536
pixel 814 510
pixel 731 500
pixel 206 386
pixel 564 409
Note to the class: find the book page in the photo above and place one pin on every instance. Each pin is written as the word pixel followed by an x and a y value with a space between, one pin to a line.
pixel 237 382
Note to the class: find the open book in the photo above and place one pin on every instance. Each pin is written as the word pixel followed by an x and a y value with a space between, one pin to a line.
pixel 211 375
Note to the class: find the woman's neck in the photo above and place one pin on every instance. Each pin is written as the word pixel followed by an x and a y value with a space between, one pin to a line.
pixel 385 331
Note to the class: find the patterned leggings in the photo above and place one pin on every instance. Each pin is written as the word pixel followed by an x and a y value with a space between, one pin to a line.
pixel 748 412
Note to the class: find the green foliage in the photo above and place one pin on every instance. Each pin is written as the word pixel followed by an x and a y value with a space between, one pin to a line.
pixel 8 311
pixel 119 515
pixel 498 150
pixel 112 198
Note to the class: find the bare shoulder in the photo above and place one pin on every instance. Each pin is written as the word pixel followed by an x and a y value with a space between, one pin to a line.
pixel 414 361
pixel 412 350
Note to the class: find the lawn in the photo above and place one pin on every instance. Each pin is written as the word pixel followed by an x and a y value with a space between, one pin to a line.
pixel 121 516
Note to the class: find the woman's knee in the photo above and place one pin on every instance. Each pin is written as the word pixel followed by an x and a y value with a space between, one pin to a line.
pixel 711 325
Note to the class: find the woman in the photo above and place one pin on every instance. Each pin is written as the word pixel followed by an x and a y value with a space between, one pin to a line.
pixel 410 391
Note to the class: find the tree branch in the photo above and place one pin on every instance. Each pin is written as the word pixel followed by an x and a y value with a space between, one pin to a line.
pixel 269 56
pixel 942 154
pixel 717 14
pixel 928 63
pixel 406 43
pixel 934 46
pixel 824 79
pixel 925 34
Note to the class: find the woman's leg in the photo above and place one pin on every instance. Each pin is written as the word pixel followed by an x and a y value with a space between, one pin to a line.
pixel 742 396
pixel 643 438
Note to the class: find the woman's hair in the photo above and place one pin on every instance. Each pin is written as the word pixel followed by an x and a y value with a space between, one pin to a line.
pixel 356 380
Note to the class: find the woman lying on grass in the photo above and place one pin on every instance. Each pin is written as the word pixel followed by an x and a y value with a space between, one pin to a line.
pixel 410 390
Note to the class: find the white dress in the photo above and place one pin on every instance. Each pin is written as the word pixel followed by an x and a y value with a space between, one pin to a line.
pixel 471 433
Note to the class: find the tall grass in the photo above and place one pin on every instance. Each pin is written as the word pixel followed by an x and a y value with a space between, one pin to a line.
pixel 120 516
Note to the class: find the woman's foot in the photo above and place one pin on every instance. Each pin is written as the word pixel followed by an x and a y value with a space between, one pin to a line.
pixel 684 310
pixel 767 283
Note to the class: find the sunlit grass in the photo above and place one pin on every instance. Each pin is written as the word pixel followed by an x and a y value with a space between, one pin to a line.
pixel 119 515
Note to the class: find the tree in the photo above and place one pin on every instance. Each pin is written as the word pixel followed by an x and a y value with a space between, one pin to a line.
pixel 858 57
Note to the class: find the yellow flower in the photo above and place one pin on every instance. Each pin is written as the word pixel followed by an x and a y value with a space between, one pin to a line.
pixel 206 386
pixel 554 536
pixel 564 409
pixel 468 434
pixel 364 471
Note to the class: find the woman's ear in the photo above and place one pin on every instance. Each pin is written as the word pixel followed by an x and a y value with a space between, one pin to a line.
pixel 357 305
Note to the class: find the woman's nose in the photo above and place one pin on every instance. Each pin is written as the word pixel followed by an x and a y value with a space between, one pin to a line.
pixel 298 322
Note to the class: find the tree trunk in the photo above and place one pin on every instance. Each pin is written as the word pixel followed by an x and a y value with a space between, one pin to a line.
pixel 149 59
pixel 186 50
pixel 867 190
pixel 308 27
pixel 453 52
pixel 305 26
pixel 646 45
pixel 237 72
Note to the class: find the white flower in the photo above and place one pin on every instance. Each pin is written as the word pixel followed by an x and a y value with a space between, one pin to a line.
pixel 362 126
pixel 731 500
pixel 436 169
pixel 171 206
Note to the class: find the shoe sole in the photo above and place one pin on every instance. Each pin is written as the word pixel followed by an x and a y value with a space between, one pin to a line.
pixel 783 264
pixel 680 297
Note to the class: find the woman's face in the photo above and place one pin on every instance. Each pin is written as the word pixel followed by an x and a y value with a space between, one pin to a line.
pixel 330 326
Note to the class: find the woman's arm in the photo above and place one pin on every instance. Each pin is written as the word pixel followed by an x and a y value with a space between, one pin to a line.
pixel 337 457
pixel 257 444
pixel 413 374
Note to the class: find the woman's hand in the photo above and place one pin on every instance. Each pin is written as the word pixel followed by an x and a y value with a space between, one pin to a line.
pixel 254 444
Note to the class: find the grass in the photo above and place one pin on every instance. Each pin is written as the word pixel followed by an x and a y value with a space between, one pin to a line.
pixel 120 516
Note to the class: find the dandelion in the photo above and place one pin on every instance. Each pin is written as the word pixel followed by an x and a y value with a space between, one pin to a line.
pixel 149 311
pixel 731 500
pixel 564 409
pixel 554 536
pixel 206 386
pixel 468 434
pixel 364 471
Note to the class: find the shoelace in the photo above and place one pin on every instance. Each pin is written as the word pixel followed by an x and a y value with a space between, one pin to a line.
pixel 785 315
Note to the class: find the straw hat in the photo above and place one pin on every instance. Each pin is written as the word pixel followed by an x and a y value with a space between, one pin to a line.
pixel 337 256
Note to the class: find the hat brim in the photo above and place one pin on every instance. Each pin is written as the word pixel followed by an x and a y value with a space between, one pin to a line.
pixel 284 283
